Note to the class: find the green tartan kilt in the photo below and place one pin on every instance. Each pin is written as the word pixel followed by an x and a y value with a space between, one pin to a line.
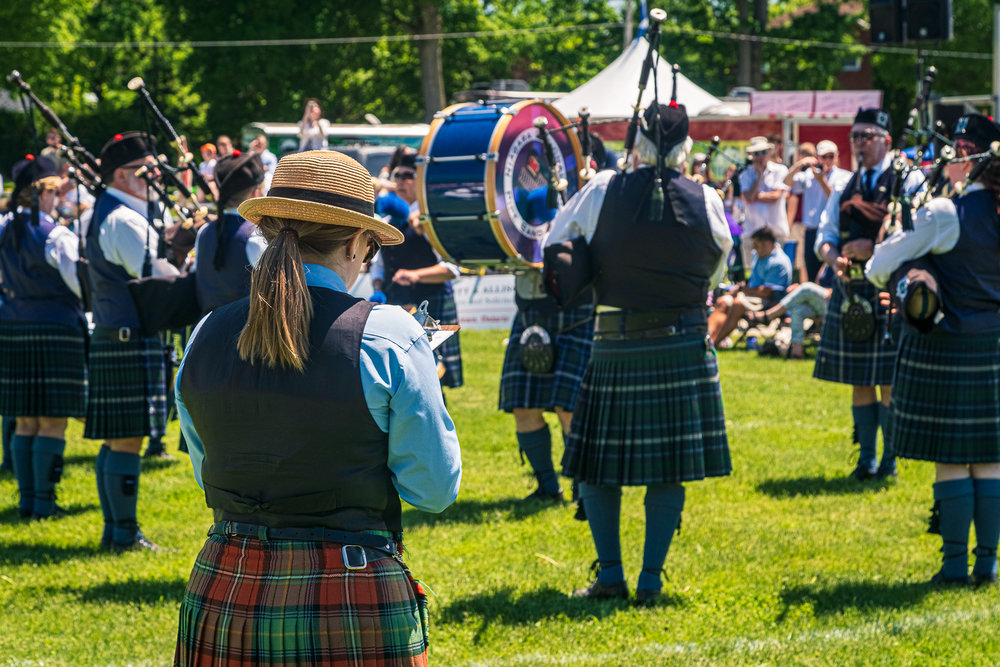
pixel 649 412
pixel 43 370
pixel 128 390
pixel 864 364
pixel 946 398
pixel 285 602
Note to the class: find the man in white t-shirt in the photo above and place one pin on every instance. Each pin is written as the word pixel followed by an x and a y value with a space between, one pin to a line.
pixel 763 186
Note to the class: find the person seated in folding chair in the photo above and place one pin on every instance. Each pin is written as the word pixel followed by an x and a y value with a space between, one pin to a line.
pixel 808 300
pixel 770 276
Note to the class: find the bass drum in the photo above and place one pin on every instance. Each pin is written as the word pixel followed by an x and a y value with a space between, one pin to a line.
pixel 483 182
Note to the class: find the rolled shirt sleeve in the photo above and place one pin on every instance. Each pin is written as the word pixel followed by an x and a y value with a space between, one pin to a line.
pixel 62 252
pixel 720 232
pixel 935 230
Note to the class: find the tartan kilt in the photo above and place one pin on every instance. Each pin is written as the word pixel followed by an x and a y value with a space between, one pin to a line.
pixel 293 603
pixel 43 370
pixel 128 392
pixel 865 364
pixel 946 398
pixel 441 306
pixel 649 412
pixel 558 389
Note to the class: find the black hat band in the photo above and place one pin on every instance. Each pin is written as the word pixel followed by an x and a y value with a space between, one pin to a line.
pixel 355 204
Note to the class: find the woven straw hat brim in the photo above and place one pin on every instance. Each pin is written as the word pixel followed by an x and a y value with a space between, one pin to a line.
pixel 296 209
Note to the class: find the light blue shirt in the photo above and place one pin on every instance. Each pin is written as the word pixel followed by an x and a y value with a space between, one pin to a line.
pixel 400 383
pixel 774 271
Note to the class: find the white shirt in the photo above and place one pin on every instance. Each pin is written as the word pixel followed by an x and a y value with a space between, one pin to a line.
pixel 935 230
pixel 581 213
pixel 125 236
pixel 814 199
pixel 62 249
pixel 771 214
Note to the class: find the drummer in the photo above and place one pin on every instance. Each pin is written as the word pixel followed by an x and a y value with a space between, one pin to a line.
pixel 417 272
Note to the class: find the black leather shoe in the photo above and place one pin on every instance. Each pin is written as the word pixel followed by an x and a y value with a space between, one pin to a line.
pixel 647 597
pixel 940 579
pixel 863 473
pixel 598 591
pixel 543 496
pixel 140 543
pixel 886 470
pixel 57 513
pixel 980 580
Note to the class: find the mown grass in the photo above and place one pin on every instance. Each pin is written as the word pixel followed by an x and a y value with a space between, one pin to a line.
pixel 786 562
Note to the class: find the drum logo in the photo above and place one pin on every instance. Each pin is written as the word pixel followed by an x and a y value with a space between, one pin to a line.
pixel 526 181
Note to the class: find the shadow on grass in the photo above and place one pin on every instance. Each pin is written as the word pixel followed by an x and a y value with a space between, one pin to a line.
pixel 507 607
pixel 10 515
pixel 817 486
pixel 152 464
pixel 860 595
pixel 21 553
pixel 131 592
pixel 476 511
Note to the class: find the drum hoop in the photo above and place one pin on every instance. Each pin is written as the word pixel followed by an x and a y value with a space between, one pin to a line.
pixel 425 148
pixel 490 181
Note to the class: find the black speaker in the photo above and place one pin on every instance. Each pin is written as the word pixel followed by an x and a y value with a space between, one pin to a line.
pixel 928 20
pixel 886 19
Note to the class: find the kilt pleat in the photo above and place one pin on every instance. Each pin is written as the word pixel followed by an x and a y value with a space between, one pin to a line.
pixel 288 602
pixel 441 306
pixel 946 398
pixel 128 393
pixel 649 412
pixel 560 388
pixel 866 364
pixel 43 370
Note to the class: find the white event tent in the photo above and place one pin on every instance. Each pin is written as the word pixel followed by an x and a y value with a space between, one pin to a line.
pixel 613 91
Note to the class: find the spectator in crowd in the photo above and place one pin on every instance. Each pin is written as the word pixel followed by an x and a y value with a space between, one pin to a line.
pixel 339 397
pixel 770 276
pixel 807 300
pixel 53 144
pixel 313 128
pixel 812 178
pixel 209 156
pixel 259 146
pixel 224 145
pixel 763 189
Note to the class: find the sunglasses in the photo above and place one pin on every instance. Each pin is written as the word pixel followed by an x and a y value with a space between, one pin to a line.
pixel 828 156
pixel 403 176
pixel 373 247
pixel 759 153
pixel 864 136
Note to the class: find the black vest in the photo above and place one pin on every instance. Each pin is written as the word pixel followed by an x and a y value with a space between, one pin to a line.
pixel 653 265
pixel 33 291
pixel 290 449
pixel 854 227
pixel 111 301
pixel 219 286
pixel 970 272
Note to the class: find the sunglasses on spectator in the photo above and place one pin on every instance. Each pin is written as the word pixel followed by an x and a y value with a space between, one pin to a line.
pixel 373 247
pixel 828 156
pixel 759 153
pixel 403 176
pixel 866 136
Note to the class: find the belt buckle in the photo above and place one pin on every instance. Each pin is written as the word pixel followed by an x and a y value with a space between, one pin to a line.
pixel 358 551
pixel 124 334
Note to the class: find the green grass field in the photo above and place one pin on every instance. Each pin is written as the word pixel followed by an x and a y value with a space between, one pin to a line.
pixel 786 562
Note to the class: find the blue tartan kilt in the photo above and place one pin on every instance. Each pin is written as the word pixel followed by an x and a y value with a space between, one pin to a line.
pixel 43 370
pixel 866 364
pixel 441 306
pixel 946 398
pixel 128 391
pixel 558 389
pixel 649 412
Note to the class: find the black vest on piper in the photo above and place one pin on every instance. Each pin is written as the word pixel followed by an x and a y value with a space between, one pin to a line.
pixel 970 272
pixel 33 291
pixel 290 449
pixel 644 264
pixel 219 286
pixel 111 302
pixel 854 227
pixel 414 252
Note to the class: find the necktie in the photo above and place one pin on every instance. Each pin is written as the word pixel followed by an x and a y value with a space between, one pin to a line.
pixel 869 180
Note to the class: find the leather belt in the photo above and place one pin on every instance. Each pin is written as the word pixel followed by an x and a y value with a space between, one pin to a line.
pixel 637 325
pixel 120 334
pixel 316 534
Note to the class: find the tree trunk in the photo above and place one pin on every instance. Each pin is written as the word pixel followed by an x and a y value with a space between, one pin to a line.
pixel 744 76
pixel 760 27
pixel 429 50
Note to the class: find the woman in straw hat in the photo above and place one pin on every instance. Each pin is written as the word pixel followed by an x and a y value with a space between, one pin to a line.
pixel 309 414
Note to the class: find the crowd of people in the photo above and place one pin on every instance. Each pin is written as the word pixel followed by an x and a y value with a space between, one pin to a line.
pixel 616 333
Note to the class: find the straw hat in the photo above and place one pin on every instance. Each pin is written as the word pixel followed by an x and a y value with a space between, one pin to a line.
pixel 325 187
pixel 759 144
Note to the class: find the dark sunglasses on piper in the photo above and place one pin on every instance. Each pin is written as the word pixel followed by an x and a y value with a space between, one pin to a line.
pixel 403 176
pixel 864 136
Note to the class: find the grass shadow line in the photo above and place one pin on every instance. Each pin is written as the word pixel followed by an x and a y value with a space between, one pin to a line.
pixel 23 553
pixel 479 512
pixel 131 592
pixel 10 514
pixel 817 485
pixel 860 595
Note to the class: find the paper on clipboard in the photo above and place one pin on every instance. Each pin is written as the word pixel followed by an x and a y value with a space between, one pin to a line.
pixel 444 331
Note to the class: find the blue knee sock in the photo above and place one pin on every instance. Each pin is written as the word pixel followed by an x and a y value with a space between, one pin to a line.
pixel 121 484
pixel 47 460
pixel 8 433
pixel 956 504
pixel 885 421
pixel 664 504
pixel 109 521
pixel 603 504
pixel 866 423
pixel 20 449
pixel 987 518
pixel 537 446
